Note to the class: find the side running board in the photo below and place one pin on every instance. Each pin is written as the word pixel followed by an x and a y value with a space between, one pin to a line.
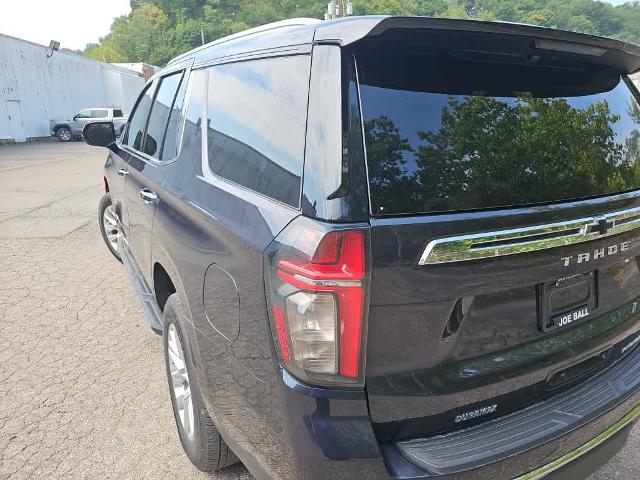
pixel 145 294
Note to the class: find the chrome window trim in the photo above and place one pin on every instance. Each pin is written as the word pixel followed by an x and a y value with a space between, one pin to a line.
pixel 529 239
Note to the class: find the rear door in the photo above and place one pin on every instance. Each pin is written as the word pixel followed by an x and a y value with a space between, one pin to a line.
pixel 147 160
pixel 503 184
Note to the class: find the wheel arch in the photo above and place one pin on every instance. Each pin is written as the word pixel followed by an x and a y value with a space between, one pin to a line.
pixel 58 126
pixel 163 285
pixel 166 279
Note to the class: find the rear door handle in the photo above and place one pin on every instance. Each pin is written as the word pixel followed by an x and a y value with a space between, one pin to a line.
pixel 148 196
pixel 122 172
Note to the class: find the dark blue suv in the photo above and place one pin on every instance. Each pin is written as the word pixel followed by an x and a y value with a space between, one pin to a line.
pixel 388 247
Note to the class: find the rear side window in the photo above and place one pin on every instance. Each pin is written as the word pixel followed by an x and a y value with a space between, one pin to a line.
pixel 99 114
pixel 461 124
pixel 139 117
pixel 117 113
pixel 174 125
pixel 257 119
pixel 160 112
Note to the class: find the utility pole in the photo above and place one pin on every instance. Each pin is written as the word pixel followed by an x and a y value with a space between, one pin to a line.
pixel 338 8
pixel 202 34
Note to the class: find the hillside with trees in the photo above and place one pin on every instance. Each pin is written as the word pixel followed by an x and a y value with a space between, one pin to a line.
pixel 157 30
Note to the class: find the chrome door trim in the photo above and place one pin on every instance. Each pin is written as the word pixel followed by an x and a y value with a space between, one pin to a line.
pixel 528 239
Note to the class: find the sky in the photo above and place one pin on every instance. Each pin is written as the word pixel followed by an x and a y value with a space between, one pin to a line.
pixel 73 23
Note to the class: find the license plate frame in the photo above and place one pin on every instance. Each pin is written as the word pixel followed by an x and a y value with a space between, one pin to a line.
pixel 567 301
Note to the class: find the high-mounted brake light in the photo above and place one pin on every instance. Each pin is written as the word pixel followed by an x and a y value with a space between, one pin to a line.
pixel 318 304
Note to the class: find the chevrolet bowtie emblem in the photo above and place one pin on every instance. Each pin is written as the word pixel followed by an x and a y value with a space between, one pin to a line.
pixel 603 225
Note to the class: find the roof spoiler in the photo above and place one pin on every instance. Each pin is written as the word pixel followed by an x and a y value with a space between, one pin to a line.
pixel 621 55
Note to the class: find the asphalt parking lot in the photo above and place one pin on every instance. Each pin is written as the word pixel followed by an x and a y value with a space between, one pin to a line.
pixel 84 393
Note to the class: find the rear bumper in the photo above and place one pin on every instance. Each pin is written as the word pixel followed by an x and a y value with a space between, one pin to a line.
pixel 329 435
pixel 574 455
pixel 574 417
pixel 587 458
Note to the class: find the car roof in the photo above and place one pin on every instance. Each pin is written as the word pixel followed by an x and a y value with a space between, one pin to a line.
pixel 298 32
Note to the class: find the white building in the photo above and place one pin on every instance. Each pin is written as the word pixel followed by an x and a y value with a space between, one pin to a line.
pixel 143 69
pixel 36 86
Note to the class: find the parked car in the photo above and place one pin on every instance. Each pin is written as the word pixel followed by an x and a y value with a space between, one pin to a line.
pixel 389 247
pixel 68 129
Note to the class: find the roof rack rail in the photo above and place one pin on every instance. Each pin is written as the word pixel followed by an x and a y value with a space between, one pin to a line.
pixel 291 22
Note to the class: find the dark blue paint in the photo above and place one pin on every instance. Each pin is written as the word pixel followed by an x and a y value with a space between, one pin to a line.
pixel 279 427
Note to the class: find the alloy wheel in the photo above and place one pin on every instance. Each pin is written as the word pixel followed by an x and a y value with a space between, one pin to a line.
pixel 64 134
pixel 180 382
pixel 111 227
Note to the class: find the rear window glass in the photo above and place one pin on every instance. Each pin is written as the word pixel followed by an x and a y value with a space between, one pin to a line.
pixel 463 129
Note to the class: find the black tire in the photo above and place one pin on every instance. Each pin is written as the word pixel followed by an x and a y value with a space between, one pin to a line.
pixel 206 448
pixel 105 202
pixel 64 134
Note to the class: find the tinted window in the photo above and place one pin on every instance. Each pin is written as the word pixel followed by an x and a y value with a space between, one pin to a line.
pixel 138 120
pixel 117 113
pixel 187 179
pixel 257 117
pixel 460 129
pixel 160 112
pixel 174 126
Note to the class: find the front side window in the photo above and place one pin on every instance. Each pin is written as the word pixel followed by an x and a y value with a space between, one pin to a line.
pixel 257 118
pixel 83 114
pixel 138 120
pixel 471 126
pixel 161 110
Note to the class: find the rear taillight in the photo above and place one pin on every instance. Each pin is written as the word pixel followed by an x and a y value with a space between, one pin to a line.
pixel 317 287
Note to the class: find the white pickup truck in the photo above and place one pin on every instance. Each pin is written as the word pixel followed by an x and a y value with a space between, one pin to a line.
pixel 68 129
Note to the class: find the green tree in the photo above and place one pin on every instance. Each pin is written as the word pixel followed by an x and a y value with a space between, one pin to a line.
pixel 157 30
pixel 141 36
pixel 105 53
